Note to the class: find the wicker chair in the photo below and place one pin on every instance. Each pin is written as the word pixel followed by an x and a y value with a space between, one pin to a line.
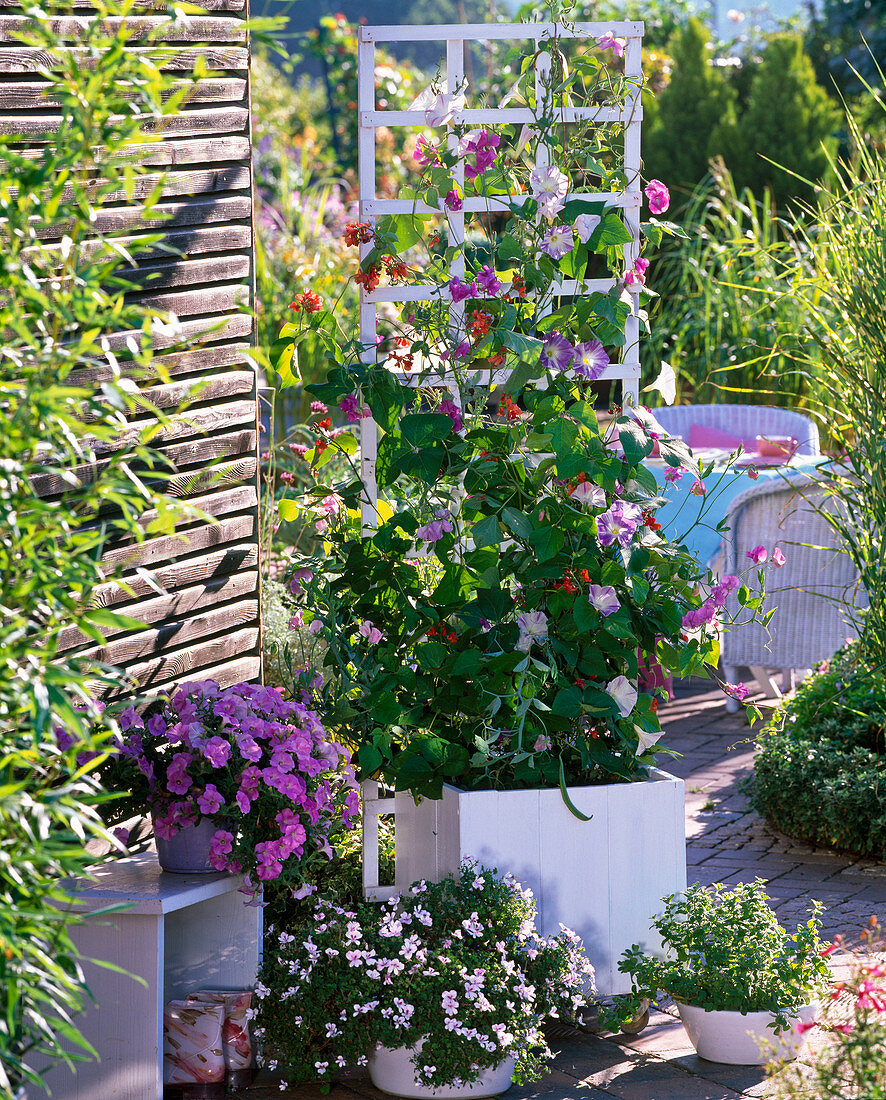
pixel 814 592
pixel 745 421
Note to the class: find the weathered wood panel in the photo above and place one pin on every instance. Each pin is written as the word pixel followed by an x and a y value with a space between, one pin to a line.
pixel 15 58
pixel 197 592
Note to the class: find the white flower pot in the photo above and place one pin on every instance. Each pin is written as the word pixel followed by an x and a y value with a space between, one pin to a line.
pixel 743 1040
pixel 392 1071
pixel 604 878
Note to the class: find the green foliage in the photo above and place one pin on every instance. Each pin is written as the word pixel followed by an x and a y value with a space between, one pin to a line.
pixel 725 318
pixel 842 288
pixel 64 408
pixel 457 954
pixel 820 766
pixel 726 951
pixel 789 120
pixel 696 105
pixel 847 35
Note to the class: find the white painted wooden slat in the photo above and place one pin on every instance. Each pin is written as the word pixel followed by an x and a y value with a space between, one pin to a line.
pixel 489 205
pixel 500 116
pixel 368 319
pixel 492 32
pixel 631 350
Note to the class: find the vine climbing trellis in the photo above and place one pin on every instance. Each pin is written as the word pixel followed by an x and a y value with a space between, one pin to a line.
pixel 626 115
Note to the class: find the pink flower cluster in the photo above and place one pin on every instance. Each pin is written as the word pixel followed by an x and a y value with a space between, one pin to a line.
pixel 260 766
pixel 707 612
pixel 482 146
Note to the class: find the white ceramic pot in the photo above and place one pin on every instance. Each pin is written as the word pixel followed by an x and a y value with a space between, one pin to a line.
pixel 743 1040
pixel 392 1071
pixel 603 878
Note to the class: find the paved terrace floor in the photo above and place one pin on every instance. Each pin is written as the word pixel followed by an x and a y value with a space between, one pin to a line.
pixel 727 842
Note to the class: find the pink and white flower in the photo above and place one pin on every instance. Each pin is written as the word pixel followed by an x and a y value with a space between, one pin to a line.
pixel 603 598
pixel 624 693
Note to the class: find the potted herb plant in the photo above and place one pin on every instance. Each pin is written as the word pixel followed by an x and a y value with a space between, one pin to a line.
pixel 237 779
pixel 492 576
pixel 742 984
pixel 442 990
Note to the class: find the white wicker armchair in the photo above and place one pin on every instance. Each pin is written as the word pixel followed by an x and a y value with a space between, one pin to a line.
pixel 745 421
pixel 814 592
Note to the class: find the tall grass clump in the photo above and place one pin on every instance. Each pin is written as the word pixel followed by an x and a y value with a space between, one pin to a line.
pixel 728 321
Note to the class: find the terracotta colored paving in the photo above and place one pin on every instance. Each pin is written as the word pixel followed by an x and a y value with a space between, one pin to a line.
pixel 727 842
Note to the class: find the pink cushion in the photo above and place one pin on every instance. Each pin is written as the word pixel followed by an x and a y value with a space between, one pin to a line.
pixel 702 436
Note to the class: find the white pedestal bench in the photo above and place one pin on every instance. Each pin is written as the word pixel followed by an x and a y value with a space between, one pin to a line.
pixel 178 933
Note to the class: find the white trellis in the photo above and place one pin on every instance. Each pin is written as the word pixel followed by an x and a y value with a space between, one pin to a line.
pixel 455 37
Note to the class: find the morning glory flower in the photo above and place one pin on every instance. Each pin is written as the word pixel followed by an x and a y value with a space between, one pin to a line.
pixel 624 693
pixel 557 241
pixel 533 628
pixel 603 598
pixel 586 493
pixel 439 108
pixel 556 352
pixel 584 226
pixel 590 360
pixel 549 187
pixel 646 739
pixel 618 523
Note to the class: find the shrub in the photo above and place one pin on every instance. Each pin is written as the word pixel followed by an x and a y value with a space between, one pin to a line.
pixel 820 769
pixel 789 120
pixel 694 104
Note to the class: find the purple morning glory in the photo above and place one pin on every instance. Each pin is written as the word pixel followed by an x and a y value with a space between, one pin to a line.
pixel 591 360
pixel 618 523
pixel 556 352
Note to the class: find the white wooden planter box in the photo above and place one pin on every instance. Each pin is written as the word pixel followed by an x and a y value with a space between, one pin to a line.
pixel 604 878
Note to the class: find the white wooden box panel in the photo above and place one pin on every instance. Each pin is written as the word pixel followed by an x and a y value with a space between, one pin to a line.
pixel 178 933
pixel 604 878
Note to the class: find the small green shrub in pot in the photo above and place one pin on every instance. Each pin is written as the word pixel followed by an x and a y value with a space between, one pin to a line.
pixel 727 951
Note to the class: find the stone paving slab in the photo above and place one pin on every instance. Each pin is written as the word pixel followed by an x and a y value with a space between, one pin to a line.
pixel 726 842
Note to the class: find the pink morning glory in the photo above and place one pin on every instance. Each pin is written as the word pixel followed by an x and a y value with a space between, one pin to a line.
pixel 624 693
pixel 533 628
pixel 636 276
pixel 603 598
pixel 658 196
pixel 586 493
pixel 584 226
pixel 549 187
pixel 618 523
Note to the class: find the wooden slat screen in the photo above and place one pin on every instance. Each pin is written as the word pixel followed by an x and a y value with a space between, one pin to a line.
pixel 197 592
